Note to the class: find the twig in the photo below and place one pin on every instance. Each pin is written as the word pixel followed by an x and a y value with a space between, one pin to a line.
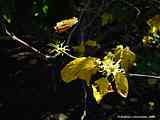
pixel 70 35
pixel 142 75
pixel 69 55
pixel 131 5
pixel 24 43
pixel 34 49
pixel 80 17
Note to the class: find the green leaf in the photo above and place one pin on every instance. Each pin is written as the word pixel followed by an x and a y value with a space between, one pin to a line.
pixel 45 9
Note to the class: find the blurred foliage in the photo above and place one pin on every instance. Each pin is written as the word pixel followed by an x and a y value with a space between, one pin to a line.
pixel 154 24
pixel 153 38
pixel 40 8
pixel 81 49
pixel 106 19
pixel 7 7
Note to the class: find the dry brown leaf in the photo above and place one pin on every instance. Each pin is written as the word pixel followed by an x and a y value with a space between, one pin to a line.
pixel 64 25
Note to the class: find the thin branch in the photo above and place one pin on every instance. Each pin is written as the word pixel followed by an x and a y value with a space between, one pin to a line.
pixel 24 43
pixel 70 35
pixel 132 5
pixel 142 75
pixel 80 17
pixel 69 55
pixel 34 49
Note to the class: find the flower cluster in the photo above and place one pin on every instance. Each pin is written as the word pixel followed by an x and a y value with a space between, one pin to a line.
pixel 110 67
pixel 59 48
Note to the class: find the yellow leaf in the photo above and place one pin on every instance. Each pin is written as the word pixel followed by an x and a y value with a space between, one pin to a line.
pixel 100 88
pixel 98 97
pixel 118 52
pixel 82 68
pixel 108 59
pixel 121 83
pixel 126 56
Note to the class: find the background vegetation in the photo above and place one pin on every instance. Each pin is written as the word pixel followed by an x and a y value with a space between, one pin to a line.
pixel 28 82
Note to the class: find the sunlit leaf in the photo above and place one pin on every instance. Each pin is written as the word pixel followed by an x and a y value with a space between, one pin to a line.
pixel 121 83
pixel 118 52
pixel 64 25
pixel 100 88
pixel 108 59
pixel 82 68
pixel 98 97
pixel 126 56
